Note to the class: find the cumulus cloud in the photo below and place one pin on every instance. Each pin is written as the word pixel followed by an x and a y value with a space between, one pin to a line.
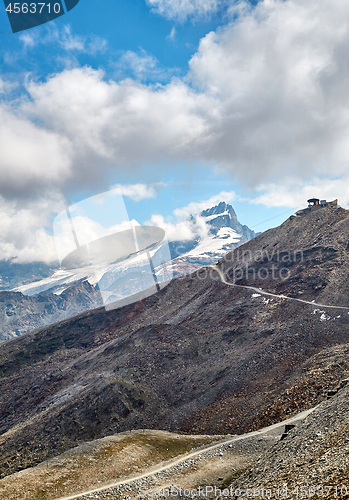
pixel 28 40
pixel 282 81
pixel 23 228
pixel 181 230
pixel 32 157
pixel 266 96
pixel 86 230
pixel 110 125
pixel 183 9
pixel 139 192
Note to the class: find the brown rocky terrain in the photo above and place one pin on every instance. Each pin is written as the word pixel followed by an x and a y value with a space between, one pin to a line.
pixel 99 462
pixel 306 257
pixel 129 464
pixel 198 357
pixel 313 459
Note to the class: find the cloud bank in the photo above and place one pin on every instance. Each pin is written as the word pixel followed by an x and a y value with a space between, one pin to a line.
pixel 266 96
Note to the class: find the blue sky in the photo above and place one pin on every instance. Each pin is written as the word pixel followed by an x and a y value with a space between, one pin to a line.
pixel 187 101
pixel 122 25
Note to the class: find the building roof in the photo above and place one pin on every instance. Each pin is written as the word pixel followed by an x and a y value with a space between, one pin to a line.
pixel 313 200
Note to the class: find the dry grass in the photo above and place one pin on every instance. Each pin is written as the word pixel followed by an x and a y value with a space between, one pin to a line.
pixel 99 462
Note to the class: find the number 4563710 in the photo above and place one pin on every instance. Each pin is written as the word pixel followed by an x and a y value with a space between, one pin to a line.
pixel 32 8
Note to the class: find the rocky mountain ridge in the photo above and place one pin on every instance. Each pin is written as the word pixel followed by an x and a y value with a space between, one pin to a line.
pixel 21 313
pixel 224 215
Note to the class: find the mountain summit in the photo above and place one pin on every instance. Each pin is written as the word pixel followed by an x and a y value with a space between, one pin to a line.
pixel 225 233
pixel 223 215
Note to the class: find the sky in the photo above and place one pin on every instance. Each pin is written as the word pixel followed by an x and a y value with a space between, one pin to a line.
pixel 180 104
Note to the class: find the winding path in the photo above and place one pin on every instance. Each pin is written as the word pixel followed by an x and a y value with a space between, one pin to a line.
pixel 262 292
pixel 183 458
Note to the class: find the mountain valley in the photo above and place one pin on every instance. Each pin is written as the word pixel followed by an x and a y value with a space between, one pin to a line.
pixel 199 357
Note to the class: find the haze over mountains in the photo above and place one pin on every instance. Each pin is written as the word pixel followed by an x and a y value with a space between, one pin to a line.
pixel 43 302
pixel 200 356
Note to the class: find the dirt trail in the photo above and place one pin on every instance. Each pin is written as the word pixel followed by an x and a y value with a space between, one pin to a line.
pixel 262 292
pixel 184 458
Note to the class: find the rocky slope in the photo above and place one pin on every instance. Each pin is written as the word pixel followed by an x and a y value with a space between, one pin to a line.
pixel 306 257
pixel 199 356
pixel 313 458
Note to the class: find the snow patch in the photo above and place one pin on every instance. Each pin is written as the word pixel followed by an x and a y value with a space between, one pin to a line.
pixel 220 244
pixel 266 301
pixel 215 216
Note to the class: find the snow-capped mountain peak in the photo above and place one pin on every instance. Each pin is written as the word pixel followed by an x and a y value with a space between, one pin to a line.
pixel 225 233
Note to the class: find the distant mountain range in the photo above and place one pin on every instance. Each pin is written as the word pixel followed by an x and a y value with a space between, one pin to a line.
pixel 13 274
pixel 225 233
pixel 21 313
pixel 37 293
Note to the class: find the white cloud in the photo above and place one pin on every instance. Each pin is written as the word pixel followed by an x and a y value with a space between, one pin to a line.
pixel 181 230
pixel 28 40
pixel 189 224
pixel 86 230
pixel 271 96
pixel 282 81
pixel 24 237
pixel 141 66
pixel 172 34
pixel 6 87
pixel 32 158
pixel 294 193
pixel 182 9
pixel 110 125
pixel 66 39
pixel 72 42
pixel 267 96
pixel 196 207
pixel 139 192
